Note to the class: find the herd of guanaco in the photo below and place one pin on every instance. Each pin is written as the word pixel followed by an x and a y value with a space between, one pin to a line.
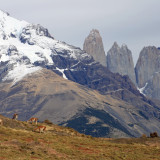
pixel 41 129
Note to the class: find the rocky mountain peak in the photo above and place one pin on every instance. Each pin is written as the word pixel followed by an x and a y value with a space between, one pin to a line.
pixel 147 71
pixel 93 45
pixel 4 13
pixel 30 31
pixel 94 32
pixel 149 50
pixel 26 48
pixel 119 60
pixel 115 45
pixel 148 63
pixel 124 47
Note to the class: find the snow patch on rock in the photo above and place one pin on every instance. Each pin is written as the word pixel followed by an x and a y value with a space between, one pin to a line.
pixel 142 89
pixel 62 71
pixel 20 71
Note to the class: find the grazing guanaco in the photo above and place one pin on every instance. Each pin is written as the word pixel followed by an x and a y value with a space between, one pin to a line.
pixel 31 120
pixel 15 116
pixel 41 129
pixel 1 122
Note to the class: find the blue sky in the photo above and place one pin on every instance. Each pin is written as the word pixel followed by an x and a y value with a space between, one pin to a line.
pixel 133 22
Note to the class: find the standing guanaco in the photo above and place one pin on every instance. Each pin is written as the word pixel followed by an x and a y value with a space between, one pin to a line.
pixel 41 129
pixel 1 122
pixel 33 120
pixel 15 116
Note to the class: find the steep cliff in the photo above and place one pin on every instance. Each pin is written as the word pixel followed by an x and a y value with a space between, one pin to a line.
pixel 147 71
pixel 119 60
pixel 148 63
pixel 93 45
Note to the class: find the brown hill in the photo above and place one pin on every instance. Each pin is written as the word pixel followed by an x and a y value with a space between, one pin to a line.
pixel 48 96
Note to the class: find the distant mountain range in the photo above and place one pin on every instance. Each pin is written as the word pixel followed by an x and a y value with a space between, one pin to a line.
pixel 49 79
pixel 146 74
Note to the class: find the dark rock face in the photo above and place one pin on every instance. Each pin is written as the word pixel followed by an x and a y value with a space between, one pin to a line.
pixel 40 30
pixel 119 60
pixel 27 35
pixel 152 88
pixel 93 75
pixel 147 71
pixel 87 72
pixel 97 77
pixel 3 70
pixel 100 126
pixel 100 78
pixel 93 45
pixel 12 50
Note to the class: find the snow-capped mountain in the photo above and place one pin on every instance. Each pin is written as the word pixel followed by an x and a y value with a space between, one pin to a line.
pixel 26 49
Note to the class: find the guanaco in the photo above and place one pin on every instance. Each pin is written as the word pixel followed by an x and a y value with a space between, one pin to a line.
pixel 15 116
pixel 41 129
pixel 1 122
pixel 31 120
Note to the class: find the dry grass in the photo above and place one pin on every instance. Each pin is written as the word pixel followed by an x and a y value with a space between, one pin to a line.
pixel 65 143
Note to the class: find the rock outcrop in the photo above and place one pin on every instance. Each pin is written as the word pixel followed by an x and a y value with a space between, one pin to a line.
pixel 119 60
pixel 148 63
pixel 147 71
pixel 93 45
pixel 152 87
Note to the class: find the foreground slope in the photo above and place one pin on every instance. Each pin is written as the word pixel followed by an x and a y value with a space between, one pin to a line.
pixel 46 95
pixel 18 141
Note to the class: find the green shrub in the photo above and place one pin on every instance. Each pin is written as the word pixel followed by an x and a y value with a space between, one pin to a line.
pixel 154 134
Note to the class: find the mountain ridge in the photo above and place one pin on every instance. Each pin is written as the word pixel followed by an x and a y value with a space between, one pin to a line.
pixel 119 60
pixel 93 45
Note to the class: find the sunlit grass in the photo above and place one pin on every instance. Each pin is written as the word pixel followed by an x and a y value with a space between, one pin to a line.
pixel 65 143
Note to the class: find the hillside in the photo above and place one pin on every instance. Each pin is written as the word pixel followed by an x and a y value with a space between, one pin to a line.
pixel 18 141
pixel 46 95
